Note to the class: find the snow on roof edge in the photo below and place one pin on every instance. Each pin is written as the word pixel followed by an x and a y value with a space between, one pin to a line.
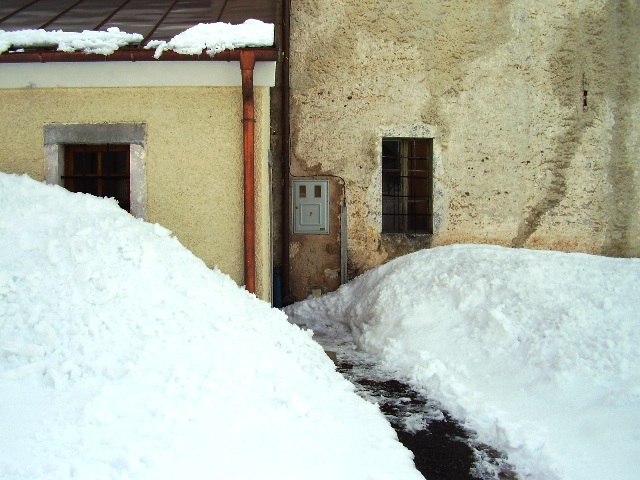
pixel 212 38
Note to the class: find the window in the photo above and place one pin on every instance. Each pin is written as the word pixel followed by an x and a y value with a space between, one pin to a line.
pixel 101 170
pixel 407 185
pixel 106 159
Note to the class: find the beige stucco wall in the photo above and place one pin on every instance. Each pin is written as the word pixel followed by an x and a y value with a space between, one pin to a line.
pixel 263 174
pixel 194 166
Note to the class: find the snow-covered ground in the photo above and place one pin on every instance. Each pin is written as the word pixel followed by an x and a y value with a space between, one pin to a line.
pixel 123 356
pixel 537 351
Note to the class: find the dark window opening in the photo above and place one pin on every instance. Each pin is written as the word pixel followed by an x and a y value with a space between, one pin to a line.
pixel 100 170
pixel 407 185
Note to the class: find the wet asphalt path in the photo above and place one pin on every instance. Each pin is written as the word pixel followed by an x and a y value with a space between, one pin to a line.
pixel 443 449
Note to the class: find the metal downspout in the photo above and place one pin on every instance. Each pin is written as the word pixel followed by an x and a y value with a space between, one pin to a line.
pixel 286 145
pixel 247 64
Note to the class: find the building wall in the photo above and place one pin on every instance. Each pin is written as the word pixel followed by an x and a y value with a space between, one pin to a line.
pixel 316 268
pixel 194 166
pixel 534 108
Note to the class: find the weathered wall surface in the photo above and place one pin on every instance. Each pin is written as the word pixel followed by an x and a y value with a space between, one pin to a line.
pixel 317 258
pixel 194 166
pixel 534 107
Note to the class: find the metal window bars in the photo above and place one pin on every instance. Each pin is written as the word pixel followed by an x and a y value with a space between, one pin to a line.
pixel 100 170
pixel 407 186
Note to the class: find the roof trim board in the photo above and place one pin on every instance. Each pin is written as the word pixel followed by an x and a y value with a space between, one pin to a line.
pixel 132 74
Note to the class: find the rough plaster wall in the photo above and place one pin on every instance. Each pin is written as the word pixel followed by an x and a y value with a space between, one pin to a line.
pixel 571 155
pixel 502 84
pixel 194 156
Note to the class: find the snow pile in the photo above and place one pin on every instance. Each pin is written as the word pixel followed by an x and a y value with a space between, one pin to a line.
pixel 217 37
pixel 123 356
pixel 537 351
pixel 88 41
pixel 210 37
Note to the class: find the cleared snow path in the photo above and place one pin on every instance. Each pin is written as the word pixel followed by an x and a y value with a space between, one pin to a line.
pixel 443 448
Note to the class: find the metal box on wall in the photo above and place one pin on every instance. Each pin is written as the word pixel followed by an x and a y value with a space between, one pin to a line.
pixel 310 207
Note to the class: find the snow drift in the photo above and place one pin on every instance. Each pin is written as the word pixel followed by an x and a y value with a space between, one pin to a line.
pixel 537 351
pixel 123 356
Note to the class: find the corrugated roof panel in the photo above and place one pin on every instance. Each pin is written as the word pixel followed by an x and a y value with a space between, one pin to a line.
pixel 139 16
pixel 85 16
pixel 12 7
pixel 35 15
pixel 237 11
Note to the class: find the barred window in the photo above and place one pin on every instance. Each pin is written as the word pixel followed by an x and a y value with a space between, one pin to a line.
pixel 100 170
pixel 407 185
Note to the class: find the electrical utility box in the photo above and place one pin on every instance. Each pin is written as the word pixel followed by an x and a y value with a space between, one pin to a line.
pixel 310 207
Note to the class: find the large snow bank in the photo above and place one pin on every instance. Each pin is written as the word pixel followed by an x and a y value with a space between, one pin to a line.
pixel 535 350
pixel 123 356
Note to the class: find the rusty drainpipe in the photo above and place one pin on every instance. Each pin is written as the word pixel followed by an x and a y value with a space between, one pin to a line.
pixel 247 63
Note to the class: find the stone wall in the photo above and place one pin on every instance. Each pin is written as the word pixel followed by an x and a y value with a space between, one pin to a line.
pixel 533 106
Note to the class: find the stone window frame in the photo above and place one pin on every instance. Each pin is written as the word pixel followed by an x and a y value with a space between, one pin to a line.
pixel 56 136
